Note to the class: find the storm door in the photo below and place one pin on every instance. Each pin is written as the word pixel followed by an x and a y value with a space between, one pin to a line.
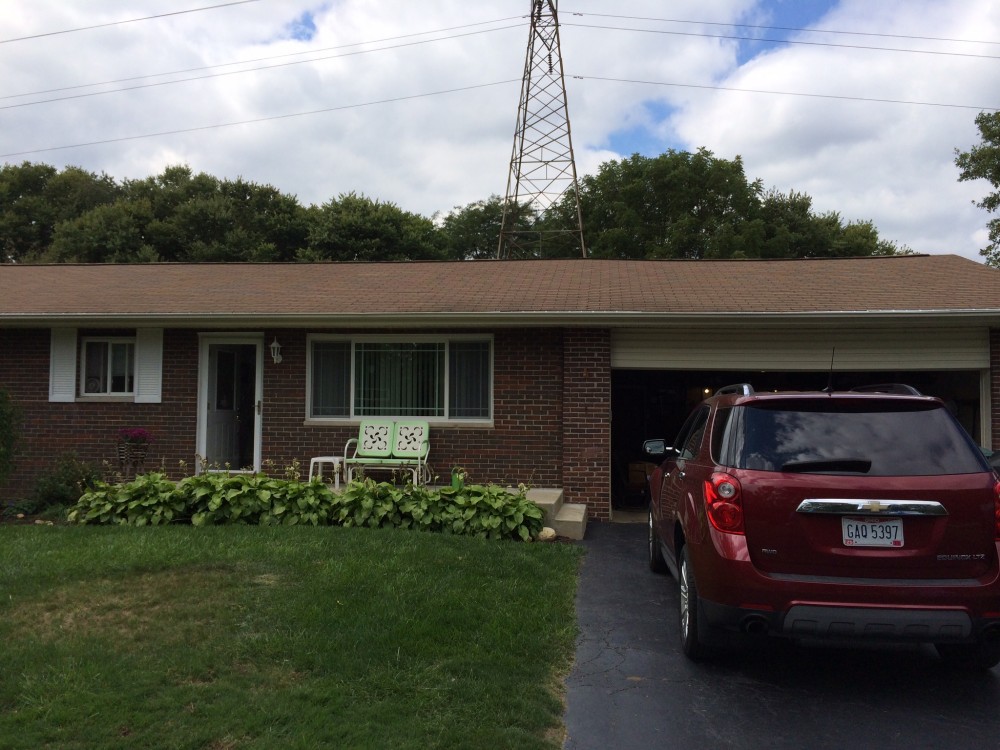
pixel 230 404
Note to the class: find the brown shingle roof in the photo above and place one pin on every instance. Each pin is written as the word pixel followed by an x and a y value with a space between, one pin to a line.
pixel 566 289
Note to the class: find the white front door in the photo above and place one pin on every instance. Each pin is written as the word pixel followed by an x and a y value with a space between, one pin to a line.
pixel 229 410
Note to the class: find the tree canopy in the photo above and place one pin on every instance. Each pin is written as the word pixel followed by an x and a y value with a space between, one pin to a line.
pixel 982 162
pixel 697 205
pixel 676 205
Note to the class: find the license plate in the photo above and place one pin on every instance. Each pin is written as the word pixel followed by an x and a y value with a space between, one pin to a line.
pixel 873 532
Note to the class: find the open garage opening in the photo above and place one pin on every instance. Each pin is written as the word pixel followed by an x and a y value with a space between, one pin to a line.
pixel 654 403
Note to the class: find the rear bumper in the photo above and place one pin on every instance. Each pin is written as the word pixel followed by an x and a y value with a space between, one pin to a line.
pixel 739 598
pixel 847 623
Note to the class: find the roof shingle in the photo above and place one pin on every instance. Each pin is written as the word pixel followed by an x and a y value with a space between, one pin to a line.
pixel 924 283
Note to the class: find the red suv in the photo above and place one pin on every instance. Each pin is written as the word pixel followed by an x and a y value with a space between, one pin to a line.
pixel 858 515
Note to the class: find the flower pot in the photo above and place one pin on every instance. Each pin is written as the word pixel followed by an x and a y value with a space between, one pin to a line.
pixel 131 457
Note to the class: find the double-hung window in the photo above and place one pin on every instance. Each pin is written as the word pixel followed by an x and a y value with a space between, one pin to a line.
pixel 107 367
pixel 430 378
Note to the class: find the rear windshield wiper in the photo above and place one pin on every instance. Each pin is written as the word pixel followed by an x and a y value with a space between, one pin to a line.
pixel 850 465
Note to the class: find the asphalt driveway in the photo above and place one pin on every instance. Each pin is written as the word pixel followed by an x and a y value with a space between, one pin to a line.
pixel 626 645
pixel 632 688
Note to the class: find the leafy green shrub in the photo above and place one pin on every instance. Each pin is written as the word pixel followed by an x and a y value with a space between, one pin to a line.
pixel 10 427
pixel 220 498
pixel 473 510
pixel 493 512
pixel 295 502
pixel 214 498
pixel 148 499
pixel 60 486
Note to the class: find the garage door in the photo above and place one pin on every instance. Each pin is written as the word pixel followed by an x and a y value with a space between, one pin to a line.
pixel 801 349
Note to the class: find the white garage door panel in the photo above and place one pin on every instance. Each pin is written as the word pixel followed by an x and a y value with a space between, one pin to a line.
pixel 803 350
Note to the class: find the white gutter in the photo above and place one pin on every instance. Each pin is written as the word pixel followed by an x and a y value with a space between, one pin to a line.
pixel 532 319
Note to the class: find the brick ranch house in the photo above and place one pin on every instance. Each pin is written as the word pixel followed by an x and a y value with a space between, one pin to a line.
pixel 544 372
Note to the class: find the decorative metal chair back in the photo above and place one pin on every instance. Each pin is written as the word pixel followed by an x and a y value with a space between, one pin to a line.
pixel 411 439
pixel 375 439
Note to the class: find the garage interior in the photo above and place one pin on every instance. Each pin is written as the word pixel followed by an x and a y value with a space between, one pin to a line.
pixel 654 404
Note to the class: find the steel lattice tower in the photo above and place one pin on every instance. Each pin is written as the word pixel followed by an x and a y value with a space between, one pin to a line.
pixel 542 167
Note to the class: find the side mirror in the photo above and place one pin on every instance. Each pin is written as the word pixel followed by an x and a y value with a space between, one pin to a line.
pixel 654 447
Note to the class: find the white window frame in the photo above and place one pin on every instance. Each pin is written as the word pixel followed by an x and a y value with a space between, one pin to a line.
pixel 445 339
pixel 67 367
pixel 85 341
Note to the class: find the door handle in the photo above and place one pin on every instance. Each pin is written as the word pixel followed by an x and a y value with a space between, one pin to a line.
pixel 257 407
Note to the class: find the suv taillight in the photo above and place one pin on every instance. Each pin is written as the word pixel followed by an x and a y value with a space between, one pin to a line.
pixel 725 505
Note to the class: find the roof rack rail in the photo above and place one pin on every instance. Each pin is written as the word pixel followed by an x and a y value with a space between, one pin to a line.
pixel 897 389
pixel 743 389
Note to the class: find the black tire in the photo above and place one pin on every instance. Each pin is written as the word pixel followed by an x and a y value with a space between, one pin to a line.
pixel 692 644
pixel 977 657
pixel 656 562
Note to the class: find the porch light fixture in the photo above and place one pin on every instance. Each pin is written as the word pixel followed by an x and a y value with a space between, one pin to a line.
pixel 276 351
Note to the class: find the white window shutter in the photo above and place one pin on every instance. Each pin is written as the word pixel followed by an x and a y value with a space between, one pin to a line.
pixel 148 365
pixel 62 364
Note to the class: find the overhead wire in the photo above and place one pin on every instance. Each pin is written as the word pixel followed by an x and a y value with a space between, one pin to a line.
pixel 255 120
pixel 784 41
pixel 471 87
pixel 806 29
pixel 247 70
pixel 120 23
pixel 785 93
pixel 268 57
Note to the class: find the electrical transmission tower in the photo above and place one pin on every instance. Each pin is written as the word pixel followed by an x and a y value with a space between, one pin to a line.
pixel 542 168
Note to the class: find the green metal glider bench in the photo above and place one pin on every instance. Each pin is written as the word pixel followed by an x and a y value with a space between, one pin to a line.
pixel 389 445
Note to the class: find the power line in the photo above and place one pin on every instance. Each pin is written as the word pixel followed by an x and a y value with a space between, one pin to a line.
pixel 120 23
pixel 180 131
pixel 790 28
pixel 246 70
pixel 259 119
pixel 786 93
pixel 270 57
pixel 784 41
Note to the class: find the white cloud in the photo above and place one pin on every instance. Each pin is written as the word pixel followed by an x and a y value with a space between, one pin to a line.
pixel 891 163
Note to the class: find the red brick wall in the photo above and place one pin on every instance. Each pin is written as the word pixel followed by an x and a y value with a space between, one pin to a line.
pixel 526 443
pixel 995 387
pixel 89 429
pixel 586 473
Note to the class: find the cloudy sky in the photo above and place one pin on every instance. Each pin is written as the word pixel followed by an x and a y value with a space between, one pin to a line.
pixel 858 103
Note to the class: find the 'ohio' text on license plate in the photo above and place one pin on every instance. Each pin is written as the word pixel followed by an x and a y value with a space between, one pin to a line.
pixel 873 532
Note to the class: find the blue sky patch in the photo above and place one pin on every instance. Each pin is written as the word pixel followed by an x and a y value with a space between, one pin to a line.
pixel 783 15
pixel 302 28
pixel 640 138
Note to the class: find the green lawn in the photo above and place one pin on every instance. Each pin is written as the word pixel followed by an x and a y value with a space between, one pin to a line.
pixel 255 637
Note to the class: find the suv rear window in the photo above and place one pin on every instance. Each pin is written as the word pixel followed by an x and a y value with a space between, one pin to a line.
pixel 876 438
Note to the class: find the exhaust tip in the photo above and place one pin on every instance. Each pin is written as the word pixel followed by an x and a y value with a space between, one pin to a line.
pixel 758 625
pixel 991 633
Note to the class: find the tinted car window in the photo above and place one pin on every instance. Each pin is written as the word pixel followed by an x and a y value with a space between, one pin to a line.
pixel 722 433
pixel 861 437
pixel 691 432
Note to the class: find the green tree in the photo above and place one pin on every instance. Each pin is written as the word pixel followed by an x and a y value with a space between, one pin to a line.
pixel 684 205
pixel 982 162
pixel 472 232
pixel 676 205
pixel 112 233
pixel 184 217
pixel 356 228
pixel 35 198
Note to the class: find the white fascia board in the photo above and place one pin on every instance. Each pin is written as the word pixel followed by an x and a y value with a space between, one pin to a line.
pixel 532 319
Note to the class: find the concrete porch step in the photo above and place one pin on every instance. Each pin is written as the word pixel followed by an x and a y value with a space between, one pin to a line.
pixel 568 519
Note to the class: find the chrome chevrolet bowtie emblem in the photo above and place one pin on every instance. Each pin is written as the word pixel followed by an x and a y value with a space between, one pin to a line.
pixel 873 506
